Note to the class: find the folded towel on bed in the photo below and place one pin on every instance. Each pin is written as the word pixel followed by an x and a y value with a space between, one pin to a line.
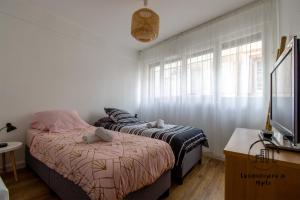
pixel 160 123
pixel 151 124
pixel 103 134
pixel 156 124
pixel 90 138
pixel 100 134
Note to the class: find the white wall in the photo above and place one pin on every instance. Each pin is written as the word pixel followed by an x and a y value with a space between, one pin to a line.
pixel 47 62
pixel 289 17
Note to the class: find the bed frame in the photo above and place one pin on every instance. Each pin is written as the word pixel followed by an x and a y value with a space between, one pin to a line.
pixel 189 161
pixel 66 189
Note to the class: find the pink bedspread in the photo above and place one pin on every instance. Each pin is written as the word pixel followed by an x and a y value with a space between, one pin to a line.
pixel 104 170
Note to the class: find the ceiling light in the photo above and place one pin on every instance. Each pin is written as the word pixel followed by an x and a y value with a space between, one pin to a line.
pixel 145 24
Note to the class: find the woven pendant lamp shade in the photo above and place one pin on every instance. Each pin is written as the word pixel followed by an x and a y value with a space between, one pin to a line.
pixel 145 25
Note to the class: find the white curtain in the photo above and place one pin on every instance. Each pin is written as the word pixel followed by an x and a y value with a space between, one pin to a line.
pixel 215 77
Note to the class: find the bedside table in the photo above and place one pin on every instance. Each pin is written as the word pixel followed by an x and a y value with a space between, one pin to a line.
pixel 10 148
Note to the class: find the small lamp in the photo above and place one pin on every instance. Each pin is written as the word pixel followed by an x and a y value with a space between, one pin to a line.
pixel 9 128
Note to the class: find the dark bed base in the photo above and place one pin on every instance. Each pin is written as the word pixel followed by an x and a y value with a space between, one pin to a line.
pixel 189 161
pixel 66 189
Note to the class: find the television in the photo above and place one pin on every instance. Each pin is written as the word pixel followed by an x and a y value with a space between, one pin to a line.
pixel 285 94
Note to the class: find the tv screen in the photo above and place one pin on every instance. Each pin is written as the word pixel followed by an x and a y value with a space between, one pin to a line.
pixel 282 110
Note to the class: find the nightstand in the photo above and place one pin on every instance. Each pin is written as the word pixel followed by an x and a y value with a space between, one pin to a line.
pixel 10 149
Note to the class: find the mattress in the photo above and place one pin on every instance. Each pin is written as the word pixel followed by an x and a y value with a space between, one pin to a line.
pixel 182 139
pixel 104 170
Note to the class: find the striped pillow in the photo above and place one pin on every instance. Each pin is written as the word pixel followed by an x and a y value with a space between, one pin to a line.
pixel 103 121
pixel 120 116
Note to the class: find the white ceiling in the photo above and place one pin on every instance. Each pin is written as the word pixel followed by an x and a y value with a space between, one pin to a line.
pixel 112 18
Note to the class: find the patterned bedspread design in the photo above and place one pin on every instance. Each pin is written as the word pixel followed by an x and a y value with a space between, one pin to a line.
pixel 182 139
pixel 105 170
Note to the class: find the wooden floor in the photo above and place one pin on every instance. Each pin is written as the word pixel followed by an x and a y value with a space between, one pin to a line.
pixel 205 181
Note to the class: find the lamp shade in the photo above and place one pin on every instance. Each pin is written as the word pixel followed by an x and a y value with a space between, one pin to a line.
pixel 145 25
pixel 10 127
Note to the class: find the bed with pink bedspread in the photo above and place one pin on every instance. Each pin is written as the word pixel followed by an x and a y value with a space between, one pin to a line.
pixel 104 170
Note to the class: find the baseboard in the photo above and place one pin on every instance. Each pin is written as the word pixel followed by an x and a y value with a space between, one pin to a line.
pixel 212 155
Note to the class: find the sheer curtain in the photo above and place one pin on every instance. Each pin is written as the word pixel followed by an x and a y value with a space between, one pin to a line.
pixel 215 77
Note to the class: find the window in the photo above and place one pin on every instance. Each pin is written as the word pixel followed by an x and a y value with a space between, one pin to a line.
pixel 199 73
pixel 241 67
pixel 236 66
pixel 167 79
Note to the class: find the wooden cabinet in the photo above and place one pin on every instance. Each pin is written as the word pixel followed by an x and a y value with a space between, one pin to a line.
pixel 259 173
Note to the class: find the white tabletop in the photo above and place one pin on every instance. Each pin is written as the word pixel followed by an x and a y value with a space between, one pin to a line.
pixel 11 146
pixel 3 191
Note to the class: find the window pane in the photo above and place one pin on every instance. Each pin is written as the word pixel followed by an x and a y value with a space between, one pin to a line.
pixel 242 70
pixel 172 76
pixel 154 83
pixel 199 74
pixel 228 71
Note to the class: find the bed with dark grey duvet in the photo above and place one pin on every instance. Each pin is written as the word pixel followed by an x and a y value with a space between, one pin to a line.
pixel 186 142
